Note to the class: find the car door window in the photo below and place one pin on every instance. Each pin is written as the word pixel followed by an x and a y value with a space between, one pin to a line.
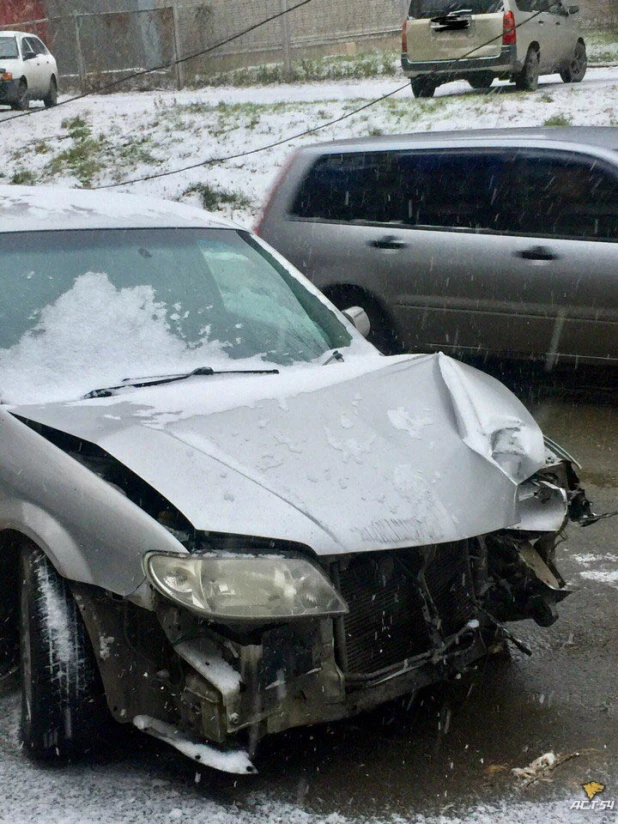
pixel 454 190
pixel 38 46
pixel 440 189
pixel 564 195
pixel 352 187
pixel 27 48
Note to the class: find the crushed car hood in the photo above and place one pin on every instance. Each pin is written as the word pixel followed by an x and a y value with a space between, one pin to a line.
pixel 369 454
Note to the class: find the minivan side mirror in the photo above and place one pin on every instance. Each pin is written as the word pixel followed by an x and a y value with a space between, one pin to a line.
pixel 359 319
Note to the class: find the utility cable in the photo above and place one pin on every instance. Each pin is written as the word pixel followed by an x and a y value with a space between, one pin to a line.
pixel 225 158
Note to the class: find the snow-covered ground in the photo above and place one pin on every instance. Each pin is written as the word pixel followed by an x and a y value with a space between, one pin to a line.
pixel 114 138
pixel 133 792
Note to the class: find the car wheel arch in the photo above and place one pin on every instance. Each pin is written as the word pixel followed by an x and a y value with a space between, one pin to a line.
pixel 33 523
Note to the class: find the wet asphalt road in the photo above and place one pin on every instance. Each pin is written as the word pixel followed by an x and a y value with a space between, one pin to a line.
pixel 456 745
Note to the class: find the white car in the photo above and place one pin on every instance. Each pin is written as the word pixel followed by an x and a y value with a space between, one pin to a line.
pixel 27 71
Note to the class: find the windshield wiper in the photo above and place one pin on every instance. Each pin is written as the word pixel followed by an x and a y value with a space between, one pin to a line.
pixel 138 383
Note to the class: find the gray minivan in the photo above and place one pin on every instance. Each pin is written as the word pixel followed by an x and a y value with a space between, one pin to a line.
pixel 494 242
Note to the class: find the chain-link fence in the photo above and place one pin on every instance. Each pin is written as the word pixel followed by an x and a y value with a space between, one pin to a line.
pixel 92 48
pixel 95 48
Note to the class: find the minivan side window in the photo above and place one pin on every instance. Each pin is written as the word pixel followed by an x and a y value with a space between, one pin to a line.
pixel 518 191
pixel 441 189
pixel 564 195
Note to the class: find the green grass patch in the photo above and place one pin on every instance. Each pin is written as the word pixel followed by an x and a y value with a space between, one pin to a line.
pixel 602 46
pixel 377 63
pixel 213 198
pixel 557 120
pixel 24 177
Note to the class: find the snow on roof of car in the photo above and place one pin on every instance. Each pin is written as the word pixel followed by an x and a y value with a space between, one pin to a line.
pixel 41 208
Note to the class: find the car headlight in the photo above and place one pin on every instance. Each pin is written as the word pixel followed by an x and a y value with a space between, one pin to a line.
pixel 245 588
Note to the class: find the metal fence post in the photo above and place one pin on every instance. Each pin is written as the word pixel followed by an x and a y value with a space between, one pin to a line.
pixel 81 66
pixel 178 67
pixel 286 41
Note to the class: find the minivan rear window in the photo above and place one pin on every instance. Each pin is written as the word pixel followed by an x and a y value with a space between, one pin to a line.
pixel 436 8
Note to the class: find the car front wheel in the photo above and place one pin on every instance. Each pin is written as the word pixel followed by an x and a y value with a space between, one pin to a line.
pixel 578 65
pixel 63 704
pixel 528 78
pixel 51 98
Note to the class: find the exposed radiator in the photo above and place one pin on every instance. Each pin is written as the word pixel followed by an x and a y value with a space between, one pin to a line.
pixel 386 623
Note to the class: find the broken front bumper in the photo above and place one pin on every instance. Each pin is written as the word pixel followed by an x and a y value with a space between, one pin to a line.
pixel 417 616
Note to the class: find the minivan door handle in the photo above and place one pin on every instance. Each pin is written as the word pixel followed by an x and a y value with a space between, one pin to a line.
pixel 537 253
pixel 388 242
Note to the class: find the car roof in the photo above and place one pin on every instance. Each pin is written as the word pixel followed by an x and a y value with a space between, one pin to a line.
pixel 605 137
pixel 47 208
pixel 18 34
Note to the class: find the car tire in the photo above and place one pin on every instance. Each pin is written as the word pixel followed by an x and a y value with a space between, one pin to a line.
pixel 576 69
pixel 63 702
pixel 423 86
pixel 528 78
pixel 481 80
pixel 51 98
pixel 23 97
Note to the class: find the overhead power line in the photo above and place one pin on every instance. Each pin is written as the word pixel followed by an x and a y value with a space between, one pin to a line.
pixel 225 158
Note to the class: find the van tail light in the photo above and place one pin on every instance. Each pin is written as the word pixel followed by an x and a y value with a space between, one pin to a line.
pixel 273 191
pixel 6 76
pixel 404 37
pixel 509 30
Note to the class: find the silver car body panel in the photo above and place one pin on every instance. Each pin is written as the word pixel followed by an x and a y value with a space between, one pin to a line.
pixel 413 450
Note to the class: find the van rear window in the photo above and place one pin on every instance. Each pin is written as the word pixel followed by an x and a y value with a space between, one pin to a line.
pixel 437 8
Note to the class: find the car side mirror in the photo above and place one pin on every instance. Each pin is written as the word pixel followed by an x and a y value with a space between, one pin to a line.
pixel 359 319
pixel 29 56
pixel 573 9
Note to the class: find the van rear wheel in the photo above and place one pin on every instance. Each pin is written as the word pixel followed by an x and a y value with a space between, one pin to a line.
pixel 578 65
pixel 423 86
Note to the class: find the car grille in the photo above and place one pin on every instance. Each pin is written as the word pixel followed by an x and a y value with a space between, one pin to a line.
pixel 388 603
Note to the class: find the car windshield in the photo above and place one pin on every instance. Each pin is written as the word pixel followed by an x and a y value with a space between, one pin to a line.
pixel 8 48
pixel 436 8
pixel 90 308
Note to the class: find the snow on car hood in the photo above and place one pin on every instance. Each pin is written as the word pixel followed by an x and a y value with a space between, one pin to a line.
pixel 369 454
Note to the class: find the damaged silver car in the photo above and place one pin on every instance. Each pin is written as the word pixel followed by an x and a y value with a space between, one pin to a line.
pixel 223 513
